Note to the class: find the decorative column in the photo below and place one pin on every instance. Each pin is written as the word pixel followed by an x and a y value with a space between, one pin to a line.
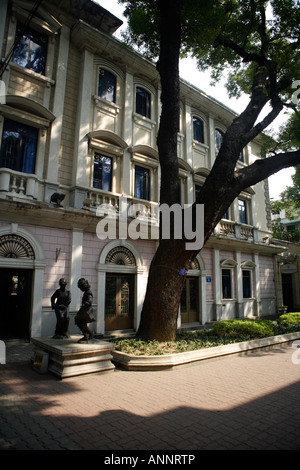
pixel 58 105
pixel 239 294
pixel 203 311
pixel 101 283
pixel 38 283
pixel 256 284
pixel 127 133
pixel 83 119
pixel 217 286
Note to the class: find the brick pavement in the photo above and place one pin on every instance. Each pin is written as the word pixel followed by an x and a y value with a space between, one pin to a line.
pixel 246 402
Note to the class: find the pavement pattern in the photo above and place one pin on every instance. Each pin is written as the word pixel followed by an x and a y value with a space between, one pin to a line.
pixel 238 402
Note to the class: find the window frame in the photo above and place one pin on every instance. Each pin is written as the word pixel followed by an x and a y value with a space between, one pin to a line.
pixel 221 133
pixel 143 105
pixel 195 131
pixel 228 265
pixel 250 271
pixel 102 180
pixel 109 75
pixel 246 211
pixel 35 38
pixel 229 277
pixel 148 188
pixel 20 164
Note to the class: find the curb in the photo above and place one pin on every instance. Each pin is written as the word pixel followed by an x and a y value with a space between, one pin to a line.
pixel 168 361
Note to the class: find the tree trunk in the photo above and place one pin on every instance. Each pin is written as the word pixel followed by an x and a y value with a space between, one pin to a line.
pixel 222 186
pixel 159 313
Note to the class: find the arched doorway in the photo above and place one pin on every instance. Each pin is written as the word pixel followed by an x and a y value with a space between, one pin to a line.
pixel 22 265
pixel 15 287
pixel 121 287
pixel 189 303
pixel 119 291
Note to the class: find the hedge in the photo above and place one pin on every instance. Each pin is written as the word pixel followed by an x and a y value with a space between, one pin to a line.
pixel 255 328
pixel 289 320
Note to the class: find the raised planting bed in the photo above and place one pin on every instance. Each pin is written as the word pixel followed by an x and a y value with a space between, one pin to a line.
pixel 168 361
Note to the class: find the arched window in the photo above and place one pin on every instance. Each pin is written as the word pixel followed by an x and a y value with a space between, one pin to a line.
pixel 120 255
pixel 14 246
pixel 107 85
pixel 198 130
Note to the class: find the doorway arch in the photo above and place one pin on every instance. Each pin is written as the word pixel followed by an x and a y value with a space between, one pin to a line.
pixel 193 299
pixel 22 265
pixel 121 263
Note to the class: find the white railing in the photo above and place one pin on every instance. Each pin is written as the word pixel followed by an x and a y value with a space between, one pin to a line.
pixel 17 184
pixel 236 230
pixel 136 208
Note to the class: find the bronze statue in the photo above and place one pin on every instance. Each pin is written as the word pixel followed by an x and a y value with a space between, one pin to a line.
pixel 60 302
pixel 85 313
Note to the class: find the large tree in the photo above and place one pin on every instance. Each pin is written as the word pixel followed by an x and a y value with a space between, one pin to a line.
pixel 263 57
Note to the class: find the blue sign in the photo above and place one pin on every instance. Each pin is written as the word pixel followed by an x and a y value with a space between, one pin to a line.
pixel 182 272
pixel 208 279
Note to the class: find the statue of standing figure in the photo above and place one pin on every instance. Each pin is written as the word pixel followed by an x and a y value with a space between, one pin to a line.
pixel 60 302
pixel 85 313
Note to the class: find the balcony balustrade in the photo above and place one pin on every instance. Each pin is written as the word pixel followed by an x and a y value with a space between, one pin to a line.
pixel 236 230
pixel 18 185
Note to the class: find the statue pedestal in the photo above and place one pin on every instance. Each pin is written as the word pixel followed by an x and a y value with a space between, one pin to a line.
pixel 68 358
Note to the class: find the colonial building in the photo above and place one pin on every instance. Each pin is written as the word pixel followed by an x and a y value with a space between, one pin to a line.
pixel 78 125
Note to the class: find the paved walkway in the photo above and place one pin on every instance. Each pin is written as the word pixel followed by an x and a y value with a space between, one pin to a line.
pixel 243 402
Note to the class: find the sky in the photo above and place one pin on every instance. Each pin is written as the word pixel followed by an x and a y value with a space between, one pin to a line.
pixel 189 72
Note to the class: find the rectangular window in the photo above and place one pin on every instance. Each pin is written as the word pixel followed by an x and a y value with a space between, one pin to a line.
pixel 243 211
pixel 18 147
pixel 143 102
pixel 247 291
pixel 226 284
pixel 107 86
pixel 102 172
pixel 31 49
pixel 198 130
pixel 142 183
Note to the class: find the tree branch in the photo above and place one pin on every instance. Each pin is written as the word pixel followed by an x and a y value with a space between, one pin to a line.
pixel 246 56
pixel 256 130
pixel 262 169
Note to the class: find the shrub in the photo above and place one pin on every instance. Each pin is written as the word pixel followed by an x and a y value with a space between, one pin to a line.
pixel 244 327
pixel 289 320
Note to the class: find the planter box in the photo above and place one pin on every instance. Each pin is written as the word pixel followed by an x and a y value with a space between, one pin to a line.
pixel 168 361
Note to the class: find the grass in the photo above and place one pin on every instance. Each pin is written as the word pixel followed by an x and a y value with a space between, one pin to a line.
pixel 222 333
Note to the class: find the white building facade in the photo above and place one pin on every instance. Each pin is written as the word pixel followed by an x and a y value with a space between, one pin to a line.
pixel 80 118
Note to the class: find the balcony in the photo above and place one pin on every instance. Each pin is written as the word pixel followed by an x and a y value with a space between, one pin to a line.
pixel 16 185
pixel 146 211
pixel 236 230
